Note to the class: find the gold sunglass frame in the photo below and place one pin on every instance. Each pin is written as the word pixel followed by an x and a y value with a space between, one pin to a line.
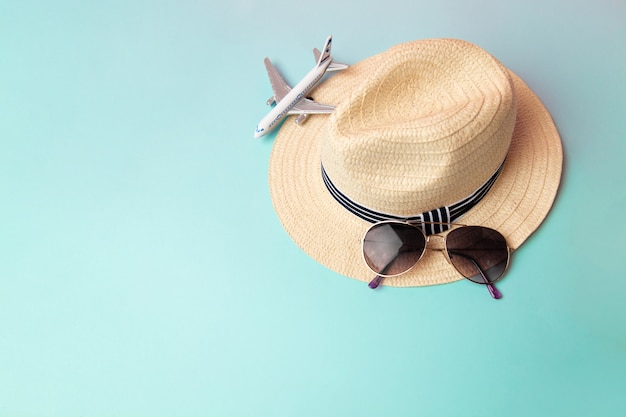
pixel 493 291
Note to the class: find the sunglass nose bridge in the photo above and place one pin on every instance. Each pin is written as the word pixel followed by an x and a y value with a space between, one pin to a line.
pixel 436 242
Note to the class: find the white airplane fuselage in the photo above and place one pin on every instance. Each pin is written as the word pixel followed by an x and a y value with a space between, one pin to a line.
pixel 297 93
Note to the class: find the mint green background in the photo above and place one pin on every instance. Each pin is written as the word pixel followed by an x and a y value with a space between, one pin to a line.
pixel 143 271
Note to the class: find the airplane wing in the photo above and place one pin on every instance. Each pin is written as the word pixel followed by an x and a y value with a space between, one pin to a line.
pixel 334 66
pixel 280 87
pixel 308 106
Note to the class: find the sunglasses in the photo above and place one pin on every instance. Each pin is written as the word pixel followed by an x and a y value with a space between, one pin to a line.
pixel 480 254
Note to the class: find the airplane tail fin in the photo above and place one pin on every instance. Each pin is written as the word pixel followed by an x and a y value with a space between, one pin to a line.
pixel 325 54
pixel 321 57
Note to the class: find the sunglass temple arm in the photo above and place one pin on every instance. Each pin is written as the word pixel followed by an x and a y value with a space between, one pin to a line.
pixel 490 287
pixel 375 282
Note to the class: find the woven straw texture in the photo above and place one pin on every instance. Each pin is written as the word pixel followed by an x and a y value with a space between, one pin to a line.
pixel 417 127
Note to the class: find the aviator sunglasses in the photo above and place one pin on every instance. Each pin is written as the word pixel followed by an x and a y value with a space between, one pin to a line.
pixel 480 254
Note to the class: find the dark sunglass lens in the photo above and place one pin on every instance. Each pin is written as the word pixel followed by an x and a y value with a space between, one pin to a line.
pixel 480 254
pixel 393 248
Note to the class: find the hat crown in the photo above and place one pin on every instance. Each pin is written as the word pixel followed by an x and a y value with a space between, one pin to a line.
pixel 431 124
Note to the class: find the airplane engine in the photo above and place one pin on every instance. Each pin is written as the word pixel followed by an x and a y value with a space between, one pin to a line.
pixel 271 101
pixel 301 119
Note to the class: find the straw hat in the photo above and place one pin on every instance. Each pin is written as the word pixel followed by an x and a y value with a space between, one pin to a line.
pixel 417 130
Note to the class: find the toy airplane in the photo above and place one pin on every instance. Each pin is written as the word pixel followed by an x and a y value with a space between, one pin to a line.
pixel 294 100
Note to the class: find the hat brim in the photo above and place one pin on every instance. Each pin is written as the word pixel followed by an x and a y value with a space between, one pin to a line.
pixel 515 206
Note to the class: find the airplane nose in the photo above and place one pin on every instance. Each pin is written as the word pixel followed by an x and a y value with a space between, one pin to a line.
pixel 258 132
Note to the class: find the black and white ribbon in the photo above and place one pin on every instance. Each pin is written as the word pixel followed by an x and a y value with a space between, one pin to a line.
pixel 428 219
